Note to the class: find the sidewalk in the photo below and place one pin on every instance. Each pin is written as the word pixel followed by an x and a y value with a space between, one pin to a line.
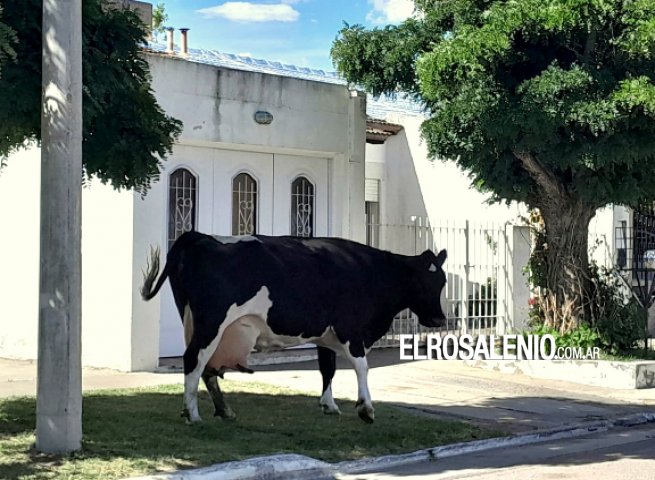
pixel 513 403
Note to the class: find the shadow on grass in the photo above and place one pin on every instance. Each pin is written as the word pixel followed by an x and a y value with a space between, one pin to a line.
pixel 131 432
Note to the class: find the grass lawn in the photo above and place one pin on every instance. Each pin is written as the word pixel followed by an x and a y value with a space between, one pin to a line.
pixel 139 431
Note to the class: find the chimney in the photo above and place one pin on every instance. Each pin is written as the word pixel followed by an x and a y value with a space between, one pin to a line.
pixel 184 47
pixel 169 40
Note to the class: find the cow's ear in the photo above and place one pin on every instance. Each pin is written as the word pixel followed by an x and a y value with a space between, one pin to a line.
pixel 441 258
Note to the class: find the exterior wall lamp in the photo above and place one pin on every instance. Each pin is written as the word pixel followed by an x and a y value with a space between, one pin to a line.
pixel 263 118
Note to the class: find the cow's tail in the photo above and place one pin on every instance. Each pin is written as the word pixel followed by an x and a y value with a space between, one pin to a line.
pixel 150 275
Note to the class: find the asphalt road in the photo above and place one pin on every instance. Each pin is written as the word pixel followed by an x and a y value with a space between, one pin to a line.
pixel 615 455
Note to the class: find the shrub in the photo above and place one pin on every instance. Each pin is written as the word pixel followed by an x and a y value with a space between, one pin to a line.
pixel 619 318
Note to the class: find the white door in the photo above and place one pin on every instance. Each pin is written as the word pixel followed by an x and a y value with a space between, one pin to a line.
pixel 273 205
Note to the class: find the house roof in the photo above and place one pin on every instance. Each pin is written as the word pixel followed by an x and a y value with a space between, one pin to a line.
pixel 375 107
pixel 377 131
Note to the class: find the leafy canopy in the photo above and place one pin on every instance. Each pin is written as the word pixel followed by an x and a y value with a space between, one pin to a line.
pixel 535 98
pixel 125 132
pixel 7 39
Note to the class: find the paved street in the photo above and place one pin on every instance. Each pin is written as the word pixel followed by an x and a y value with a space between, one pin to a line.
pixel 616 455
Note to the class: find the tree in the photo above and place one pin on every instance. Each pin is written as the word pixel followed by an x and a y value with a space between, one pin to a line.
pixel 7 39
pixel 159 18
pixel 125 132
pixel 547 102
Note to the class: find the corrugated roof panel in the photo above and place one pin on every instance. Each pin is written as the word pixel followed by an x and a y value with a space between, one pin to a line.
pixel 375 107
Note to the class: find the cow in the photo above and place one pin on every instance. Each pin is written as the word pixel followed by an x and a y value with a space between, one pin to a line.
pixel 236 294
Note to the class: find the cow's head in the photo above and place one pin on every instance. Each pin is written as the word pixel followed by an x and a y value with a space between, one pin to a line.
pixel 426 292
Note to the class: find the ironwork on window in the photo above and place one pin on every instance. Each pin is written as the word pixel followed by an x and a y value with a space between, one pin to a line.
pixel 244 205
pixel 302 207
pixel 182 200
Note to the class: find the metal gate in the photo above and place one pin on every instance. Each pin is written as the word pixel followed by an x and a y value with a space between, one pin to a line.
pixel 473 271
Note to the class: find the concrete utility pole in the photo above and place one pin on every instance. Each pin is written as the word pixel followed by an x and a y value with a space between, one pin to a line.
pixel 59 380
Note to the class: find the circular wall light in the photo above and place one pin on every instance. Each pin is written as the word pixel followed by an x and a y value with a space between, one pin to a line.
pixel 263 118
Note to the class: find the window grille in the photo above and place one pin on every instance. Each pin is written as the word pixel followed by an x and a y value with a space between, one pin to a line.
pixel 302 208
pixel 373 224
pixel 182 200
pixel 244 205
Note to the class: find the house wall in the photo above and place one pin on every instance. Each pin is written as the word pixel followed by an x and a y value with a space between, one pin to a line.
pixel 19 254
pixel 314 119
pixel 106 266
pixel 446 190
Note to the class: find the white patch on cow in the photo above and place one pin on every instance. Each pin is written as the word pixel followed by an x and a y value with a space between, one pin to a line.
pixel 235 239
pixel 328 403
pixel 361 370
pixel 432 268
pixel 259 305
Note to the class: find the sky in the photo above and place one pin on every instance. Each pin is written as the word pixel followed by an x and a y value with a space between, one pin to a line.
pixel 299 32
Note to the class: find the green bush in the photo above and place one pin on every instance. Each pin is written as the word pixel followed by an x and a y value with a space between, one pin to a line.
pixel 620 320
pixel 584 337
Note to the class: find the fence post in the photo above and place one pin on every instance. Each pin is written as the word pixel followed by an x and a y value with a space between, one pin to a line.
pixel 463 328
pixel 513 299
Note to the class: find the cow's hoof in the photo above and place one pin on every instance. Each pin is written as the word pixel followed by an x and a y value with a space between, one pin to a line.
pixel 227 414
pixel 330 409
pixel 365 412
pixel 188 418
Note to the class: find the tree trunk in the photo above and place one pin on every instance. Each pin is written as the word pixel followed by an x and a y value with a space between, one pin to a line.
pixel 566 223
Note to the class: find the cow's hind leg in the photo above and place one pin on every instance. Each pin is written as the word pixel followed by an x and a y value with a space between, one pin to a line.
pixel 327 364
pixel 195 361
pixel 192 373
pixel 221 409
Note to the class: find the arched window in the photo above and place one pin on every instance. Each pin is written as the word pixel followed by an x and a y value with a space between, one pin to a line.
pixel 244 205
pixel 302 207
pixel 182 201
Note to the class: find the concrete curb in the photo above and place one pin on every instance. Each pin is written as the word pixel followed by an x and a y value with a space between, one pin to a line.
pixel 431 454
pixel 290 466
pixel 293 466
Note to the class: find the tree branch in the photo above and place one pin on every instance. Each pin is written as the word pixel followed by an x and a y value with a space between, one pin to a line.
pixel 589 47
pixel 545 179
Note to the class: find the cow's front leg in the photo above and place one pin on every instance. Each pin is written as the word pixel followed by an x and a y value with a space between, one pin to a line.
pixel 221 409
pixel 327 364
pixel 364 405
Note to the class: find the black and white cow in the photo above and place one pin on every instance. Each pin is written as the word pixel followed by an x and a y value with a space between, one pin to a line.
pixel 239 293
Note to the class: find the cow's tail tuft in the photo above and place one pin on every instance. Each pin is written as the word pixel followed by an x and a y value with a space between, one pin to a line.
pixel 150 275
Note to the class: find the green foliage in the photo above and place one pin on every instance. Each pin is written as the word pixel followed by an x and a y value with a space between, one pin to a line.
pixel 126 133
pixel 572 84
pixel 619 321
pixel 620 318
pixel 7 39
pixel 547 102
pixel 159 19
pixel 584 336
